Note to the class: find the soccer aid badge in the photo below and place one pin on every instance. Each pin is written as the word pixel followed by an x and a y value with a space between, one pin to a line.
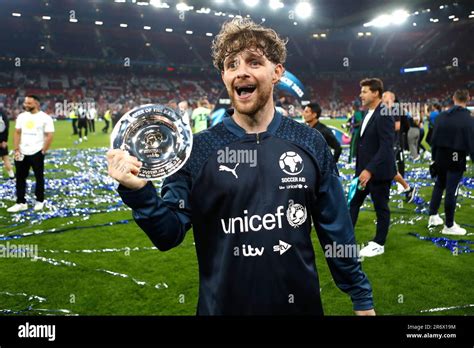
pixel 157 136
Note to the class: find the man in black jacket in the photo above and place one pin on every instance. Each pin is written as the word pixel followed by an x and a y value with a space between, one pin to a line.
pixel 311 114
pixel 452 140
pixel 375 163
pixel 3 144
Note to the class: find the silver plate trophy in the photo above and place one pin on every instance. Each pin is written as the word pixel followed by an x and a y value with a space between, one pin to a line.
pixel 157 136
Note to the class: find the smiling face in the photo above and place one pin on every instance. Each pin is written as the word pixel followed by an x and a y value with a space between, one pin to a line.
pixel 31 105
pixel 249 78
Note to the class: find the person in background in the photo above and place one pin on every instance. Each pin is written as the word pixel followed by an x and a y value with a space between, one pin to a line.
pixel 91 117
pixel 32 138
pixel 4 127
pixel 435 109
pixel 375 164
pixel 184 109
pixel 107 120
pixel 82 123
pixel 414 136
pixel 74 117
pixel 390 101
pixel 452 140
pixel 421 125
pixel 354 125
pixel 311 114
pixel 201 116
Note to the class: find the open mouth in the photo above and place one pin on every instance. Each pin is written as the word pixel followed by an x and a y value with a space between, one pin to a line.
pixel 245 90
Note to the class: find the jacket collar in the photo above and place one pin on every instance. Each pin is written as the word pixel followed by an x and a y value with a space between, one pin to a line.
pixel 235 129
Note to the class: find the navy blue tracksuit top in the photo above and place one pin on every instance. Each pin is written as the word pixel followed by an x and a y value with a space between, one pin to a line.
pixel 251 214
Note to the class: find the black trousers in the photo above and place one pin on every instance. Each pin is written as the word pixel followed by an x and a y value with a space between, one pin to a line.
pixel 82 125
pixel 380 194
pixel 448 180
pixel 91 124
pixel 106 128
pixel 74 126
pixel 400 161
pixel 36 162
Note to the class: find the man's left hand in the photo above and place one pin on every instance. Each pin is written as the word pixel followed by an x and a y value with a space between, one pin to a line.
pixel 364 177
pixel 3 144
pixel 366 313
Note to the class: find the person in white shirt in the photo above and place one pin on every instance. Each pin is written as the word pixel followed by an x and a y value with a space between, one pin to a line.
pixel 32 138
pixel 91 116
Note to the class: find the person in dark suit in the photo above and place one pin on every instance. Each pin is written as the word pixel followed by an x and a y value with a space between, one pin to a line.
pixel 452 140
pixel 311 114
pixel 375 163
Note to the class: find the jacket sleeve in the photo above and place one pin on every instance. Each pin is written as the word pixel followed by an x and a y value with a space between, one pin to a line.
pixel 334 144
pixel 164 219
pixel 383 158
pixel 334 228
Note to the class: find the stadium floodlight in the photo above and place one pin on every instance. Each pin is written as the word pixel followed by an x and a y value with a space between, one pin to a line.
pixel 16 14
pixel 368 33
pixel 123 25
pixel 251 3
pixel 360 34
pixel 99 22
pixel 382 21
pixel 46 18
pixel 452 16
pixel 208 34
pixel 275 4
pixel 455 19
pixel 189 32
pixel 316 36
pixel 303 9
pixel 414 24
pixel 415 69
pixel 143 3
pixel 399 17
pixel 42 47
pixel 182 7
pixel 159 4
pixel 205 10
pixel 169 30
pixel 146 27
pixel 148 44
pixel 471 16
pixel 323 35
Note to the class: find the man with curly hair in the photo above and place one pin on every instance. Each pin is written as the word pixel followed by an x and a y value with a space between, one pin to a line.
pixel 250 189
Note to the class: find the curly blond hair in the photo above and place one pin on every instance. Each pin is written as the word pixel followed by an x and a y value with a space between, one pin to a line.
pixel 242 33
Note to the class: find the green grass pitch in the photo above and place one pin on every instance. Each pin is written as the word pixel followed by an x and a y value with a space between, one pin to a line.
pixel 133 279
